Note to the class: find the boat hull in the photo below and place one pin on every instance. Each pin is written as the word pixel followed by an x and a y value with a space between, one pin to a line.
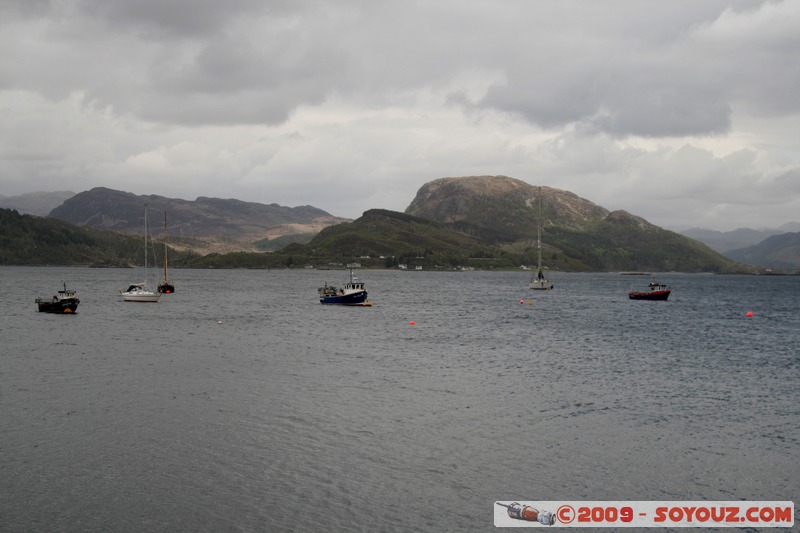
pixel 166 288
pixel 138 294
pixel 541 285
pixel 356 298
pixel 653 295
pixel 151 297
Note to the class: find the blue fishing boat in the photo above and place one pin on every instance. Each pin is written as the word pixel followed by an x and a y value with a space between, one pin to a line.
pixel 352 293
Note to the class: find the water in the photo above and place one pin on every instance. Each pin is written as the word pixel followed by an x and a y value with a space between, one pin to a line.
pixel 240 403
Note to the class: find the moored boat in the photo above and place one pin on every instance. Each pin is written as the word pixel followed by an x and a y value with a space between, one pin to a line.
pixel 538 281
pixel 656 291
pixel 352 293
pixel 63 302
pixel 138 292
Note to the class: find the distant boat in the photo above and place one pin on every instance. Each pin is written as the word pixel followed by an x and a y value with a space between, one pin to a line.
pixel 138 292
pixel 353 293
pixel 656 291
pixel 165 287
pixel 538 281
pixel 63 302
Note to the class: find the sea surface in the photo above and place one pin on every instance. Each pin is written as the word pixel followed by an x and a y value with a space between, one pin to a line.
pixel 240 403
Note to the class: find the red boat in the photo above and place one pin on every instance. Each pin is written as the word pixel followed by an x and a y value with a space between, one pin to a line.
pixel 657 291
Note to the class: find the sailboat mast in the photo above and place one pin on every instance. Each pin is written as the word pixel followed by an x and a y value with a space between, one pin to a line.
pixel 165 247
pixel 539 231
pixel 145 243
pixel 539 246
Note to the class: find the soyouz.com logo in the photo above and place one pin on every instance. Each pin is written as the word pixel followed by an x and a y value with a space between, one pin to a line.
pixel 644 514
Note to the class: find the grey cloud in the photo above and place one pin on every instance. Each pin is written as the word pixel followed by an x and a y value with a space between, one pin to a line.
pixel 625 68
pixel 171 19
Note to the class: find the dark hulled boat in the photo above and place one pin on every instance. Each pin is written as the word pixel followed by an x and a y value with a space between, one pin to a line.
pixel 353 293
pixel 63 302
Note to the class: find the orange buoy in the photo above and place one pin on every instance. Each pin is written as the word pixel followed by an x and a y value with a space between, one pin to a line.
pixel 748 314
pixel 412 323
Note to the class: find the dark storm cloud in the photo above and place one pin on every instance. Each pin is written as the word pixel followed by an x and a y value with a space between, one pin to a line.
pixel 174 19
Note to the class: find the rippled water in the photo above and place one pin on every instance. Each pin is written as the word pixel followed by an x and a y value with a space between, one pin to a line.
pixel 240 403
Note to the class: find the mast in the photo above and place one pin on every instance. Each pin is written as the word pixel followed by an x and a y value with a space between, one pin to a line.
pixel 165 247
pixel 539 234
pixel 538 281
pixel 539 246
pixel 145 243
pixel 146 226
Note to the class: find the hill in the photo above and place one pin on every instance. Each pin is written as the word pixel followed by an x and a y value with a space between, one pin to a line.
pixel 32 240
pixel 35 203
pixel 576 233
pixel 779 251
pixel 389 238
pixel 723 241
pixel 499 208
pixel 477 222
pixel 205 224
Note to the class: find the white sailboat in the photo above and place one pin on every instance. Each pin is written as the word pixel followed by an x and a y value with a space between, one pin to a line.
pixel 138 292
pixel 538 281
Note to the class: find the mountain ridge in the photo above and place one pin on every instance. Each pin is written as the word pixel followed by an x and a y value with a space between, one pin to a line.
pixel 778 251
pixel 472 221
pixel 505 211
pixel 223 224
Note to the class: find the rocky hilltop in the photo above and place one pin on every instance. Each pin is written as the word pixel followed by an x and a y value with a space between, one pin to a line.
pixel 206 224
pixel 500 208
pixel 484 200
pixel 504 212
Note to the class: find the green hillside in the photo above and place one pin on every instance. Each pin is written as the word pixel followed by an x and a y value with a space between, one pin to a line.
pixel 33 240
pixel 576 233
pixel 618 243
pixel 394 238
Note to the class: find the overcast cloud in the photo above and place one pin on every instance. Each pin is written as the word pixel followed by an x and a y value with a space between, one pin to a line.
pixel 686 113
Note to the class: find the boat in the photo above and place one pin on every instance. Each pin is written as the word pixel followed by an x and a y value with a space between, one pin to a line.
pixel 165 287
pixel 138 292
pixel 655 291
pixel 538 281
pixel 352 293
pixel 63 302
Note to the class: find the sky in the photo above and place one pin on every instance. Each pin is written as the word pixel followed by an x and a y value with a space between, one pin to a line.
pixel 684 112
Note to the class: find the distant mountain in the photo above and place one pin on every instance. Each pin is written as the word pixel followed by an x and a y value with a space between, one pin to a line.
pixel 230 224
pixel 576 233
pixel 779 251
pixel 35 203
pixel 723 241
pixel 482 222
